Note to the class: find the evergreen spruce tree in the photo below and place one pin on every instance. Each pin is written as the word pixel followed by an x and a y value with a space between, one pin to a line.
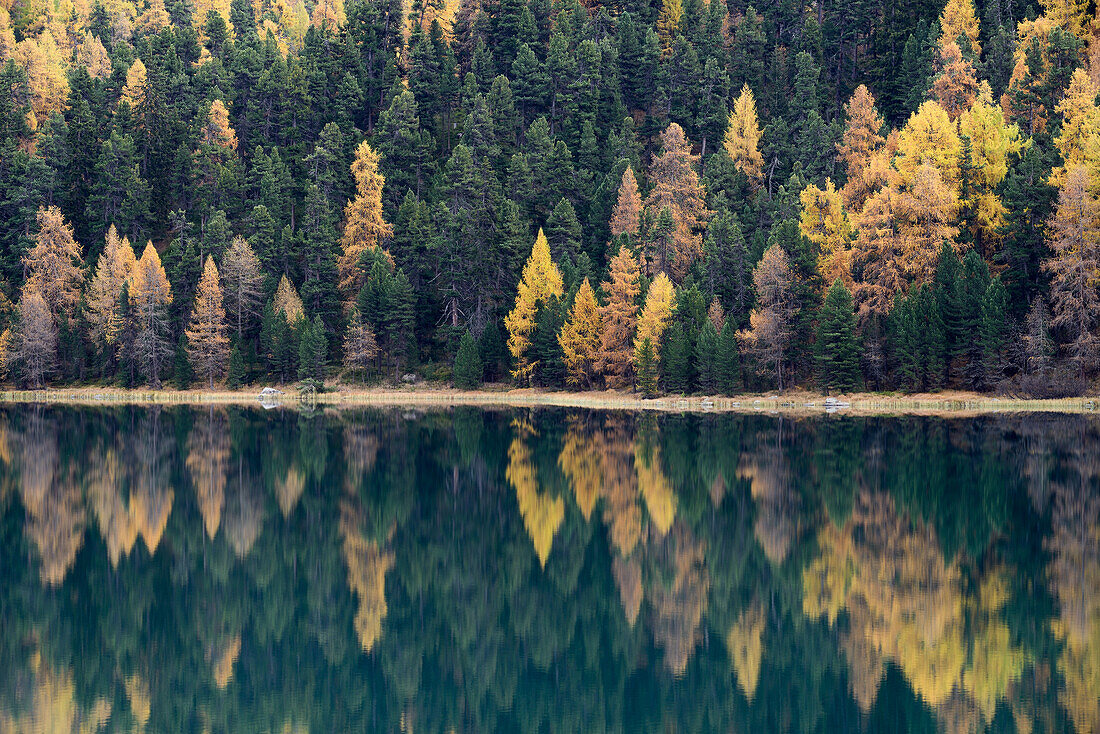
pixel 707 367
pixel 312 350
pixel 837 345
pixel 237 372
pixel 994 332
pixel 676 354
pixel 182 373
pixel 467 367
pixel 728 360
pixel 645 368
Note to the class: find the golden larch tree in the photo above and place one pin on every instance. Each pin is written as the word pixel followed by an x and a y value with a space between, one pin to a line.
pixel 676 185
pixel 769 335
pixel 541 281
pixel 149 299
pixel 862 141
pixel 93 56
pixel 207 343
pixel 1080 131
pixel 45 66
pixel 364 228
pixel 929 137
pixel 825 223
pixel 929 209
pixel 742 140
pixel 217 131
pixel 668 23
pixel 959 19
pixel 33 345
pixel 619 316
pixel 877 251
pixel 136 81
pixel 287 301
pixel 113 271
pixel 360 344
pixel 626 217
pixel 1073 235
pixel 660 303
pixel 992 142
pixel 242 282
pixel 956 85
pixel 580 338
pixel 54 264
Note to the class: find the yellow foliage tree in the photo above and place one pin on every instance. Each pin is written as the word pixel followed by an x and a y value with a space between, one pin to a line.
pixel 991 142
pixel 287 301
pixel 825 223
pixel 742 141
pixel 364 228
pixel 541 281
pixel 625 219
pixel 929 137
pixel 136 81
pixel 113 271
pixel 54 264
pixel 45 67
pixel 1080 131
pixel 957 20
pixel 93 56
pixel 149 299
pixel 207 343
pixel 580 338
pixel 668 23
pixel 861 143
pixel 659 305
pixel 619 317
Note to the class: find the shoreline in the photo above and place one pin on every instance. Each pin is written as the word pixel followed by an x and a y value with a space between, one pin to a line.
pixel 948 403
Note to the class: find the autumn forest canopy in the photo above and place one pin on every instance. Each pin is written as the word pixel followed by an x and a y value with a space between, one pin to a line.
pixel 654 195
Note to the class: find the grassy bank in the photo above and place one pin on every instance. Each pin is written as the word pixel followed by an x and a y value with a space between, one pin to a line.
pixel 800 402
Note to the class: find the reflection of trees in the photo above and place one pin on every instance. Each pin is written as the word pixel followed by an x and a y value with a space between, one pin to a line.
pixel 904 603
pixel 745 644
pixel 766 468
pixel 1075 582
pixel 52 498
pixel 207 460
pixel 51 705
pixel 542 514
pixel 151 492
pixel 679 604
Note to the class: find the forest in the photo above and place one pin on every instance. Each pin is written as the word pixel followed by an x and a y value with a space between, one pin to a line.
pixel 666 196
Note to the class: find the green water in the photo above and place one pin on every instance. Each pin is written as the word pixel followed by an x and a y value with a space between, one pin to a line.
pixel 190 570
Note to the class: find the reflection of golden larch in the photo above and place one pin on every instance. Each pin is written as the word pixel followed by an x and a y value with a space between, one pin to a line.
pixel 360 453
pixel 900 595
pixel 112 514
pixel 137 693
pixel 865 669
pixel 580 463
pixel 542 514
pixel 628 577
pixel 288 490
pixel 621 512
pixel 244 516
pixel 770 483
pixel 52 706
pixel 1075 580
pixel 223 664
pixel 150 507
pixel 367 567
pixel 207 458
pixel 678 606
pixel 53 501
pixel 745 645
pixel 660 500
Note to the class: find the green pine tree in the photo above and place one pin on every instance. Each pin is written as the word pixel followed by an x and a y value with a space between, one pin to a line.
pixel 707 370
pixel 646 369
pixel 467 365
pixel 837 345
pixel 728 360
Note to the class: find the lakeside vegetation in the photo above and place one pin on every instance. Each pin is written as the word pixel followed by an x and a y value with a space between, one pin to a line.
pixel 666 196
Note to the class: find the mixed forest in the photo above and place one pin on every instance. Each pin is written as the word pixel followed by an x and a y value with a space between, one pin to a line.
pixel 660 195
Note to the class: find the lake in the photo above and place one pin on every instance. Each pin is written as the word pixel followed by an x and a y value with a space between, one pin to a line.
pixel 238 570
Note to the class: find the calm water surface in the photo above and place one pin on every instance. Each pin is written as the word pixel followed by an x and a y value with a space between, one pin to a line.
pixel 233 570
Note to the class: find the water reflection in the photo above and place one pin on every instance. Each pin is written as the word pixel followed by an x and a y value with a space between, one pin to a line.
pixel 540 571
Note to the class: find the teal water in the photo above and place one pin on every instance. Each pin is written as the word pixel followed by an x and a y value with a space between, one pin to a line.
pixel 235 570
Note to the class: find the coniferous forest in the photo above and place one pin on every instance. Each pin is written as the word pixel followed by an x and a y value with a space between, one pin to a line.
pixel 657 195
